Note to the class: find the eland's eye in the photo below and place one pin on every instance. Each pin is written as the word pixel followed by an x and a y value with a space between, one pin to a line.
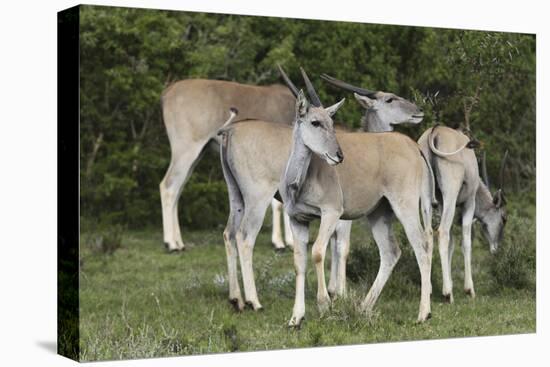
pixel 316 123
pixel 389 100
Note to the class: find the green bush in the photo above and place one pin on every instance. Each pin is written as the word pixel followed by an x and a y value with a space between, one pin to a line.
pixel 513 265
pixel 128 56
pixel 105 240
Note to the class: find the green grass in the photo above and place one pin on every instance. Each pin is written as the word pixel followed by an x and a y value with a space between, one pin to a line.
pixel 141 302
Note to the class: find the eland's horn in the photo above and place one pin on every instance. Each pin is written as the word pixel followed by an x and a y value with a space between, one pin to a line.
pixel 288 82
pixel 499 199
pixel 311 90
pixel 340 84
pixel 501 173
pixel 484 174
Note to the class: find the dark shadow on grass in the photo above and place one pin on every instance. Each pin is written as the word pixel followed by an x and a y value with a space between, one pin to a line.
pixel 49 345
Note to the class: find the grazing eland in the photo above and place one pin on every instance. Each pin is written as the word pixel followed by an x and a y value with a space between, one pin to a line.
pixel 457 176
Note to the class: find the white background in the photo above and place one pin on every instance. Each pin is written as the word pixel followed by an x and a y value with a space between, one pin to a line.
pixel 28 181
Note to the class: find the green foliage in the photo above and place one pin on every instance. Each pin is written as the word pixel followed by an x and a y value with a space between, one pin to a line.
pixel 513 266
pixel 128 56
pixel 106 241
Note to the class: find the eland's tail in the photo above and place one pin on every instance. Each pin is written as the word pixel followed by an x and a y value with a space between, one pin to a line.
pixel 233 112
pixel 472 144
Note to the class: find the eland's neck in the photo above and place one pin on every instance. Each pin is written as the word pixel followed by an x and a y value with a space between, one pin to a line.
pixel 372 123
pixel 296 168
pixel 484 201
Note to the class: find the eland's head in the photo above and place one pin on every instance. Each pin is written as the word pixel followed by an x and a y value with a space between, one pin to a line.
pixel 495 215
pixel 314 124
pixel 382 109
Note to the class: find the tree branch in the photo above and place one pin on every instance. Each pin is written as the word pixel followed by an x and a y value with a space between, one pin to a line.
pixel 93 154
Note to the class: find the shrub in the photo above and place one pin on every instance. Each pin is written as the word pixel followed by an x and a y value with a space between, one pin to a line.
pixel 105 240
pixel 514 264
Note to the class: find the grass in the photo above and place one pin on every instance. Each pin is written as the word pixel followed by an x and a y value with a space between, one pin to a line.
pixel 140 302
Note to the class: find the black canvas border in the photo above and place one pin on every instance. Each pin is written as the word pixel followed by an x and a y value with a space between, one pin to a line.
pixel 68 196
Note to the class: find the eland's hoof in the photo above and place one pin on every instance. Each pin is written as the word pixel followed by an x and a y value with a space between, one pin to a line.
pixel 323 305
pixel 423 319
pixel 173 250
pixel 280 249
pixel 448 298
pixel 470 292
pixel 296 322
pixel 237 304
pixel 253 306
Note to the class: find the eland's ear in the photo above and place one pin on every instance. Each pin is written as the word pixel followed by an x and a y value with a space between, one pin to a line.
pixel 498 199
pixel 332 109
pixel 364 101
pixel 302 105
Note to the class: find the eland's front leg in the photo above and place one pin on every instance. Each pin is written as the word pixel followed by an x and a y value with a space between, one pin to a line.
pixel 288 232
pixel 276 234
pixel 329 219
pixel 300 233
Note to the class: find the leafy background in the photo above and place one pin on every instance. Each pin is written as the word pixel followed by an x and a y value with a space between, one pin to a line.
pixel 484 81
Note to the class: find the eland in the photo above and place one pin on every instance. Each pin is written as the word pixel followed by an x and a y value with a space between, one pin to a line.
pixel 384 175
pixel 193 111
pixel 457 175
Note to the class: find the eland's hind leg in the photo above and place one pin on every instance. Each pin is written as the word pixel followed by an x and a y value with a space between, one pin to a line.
pixel 251 223
pixel 428 230
pixel 380 221
pixel 467 220
pixel 184 159
pixel 407 213
pixel 229 237
pixel 444 231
